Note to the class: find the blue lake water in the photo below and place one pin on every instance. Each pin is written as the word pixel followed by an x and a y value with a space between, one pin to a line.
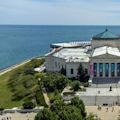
pixel 18 43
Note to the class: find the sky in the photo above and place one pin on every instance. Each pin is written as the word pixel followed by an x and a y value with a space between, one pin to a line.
pixel 60 12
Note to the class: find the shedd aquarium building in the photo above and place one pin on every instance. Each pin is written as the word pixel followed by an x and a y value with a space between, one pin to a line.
pixel 100 57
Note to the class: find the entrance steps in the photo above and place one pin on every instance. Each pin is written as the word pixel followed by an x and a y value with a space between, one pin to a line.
pixel 105 82
pixel 105 85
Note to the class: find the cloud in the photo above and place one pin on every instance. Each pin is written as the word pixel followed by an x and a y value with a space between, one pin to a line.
pixel 59 12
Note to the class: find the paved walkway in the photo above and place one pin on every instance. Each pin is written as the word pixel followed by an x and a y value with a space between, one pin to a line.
pixel 13 67
pixel 100 96
pixel 99 92
pixel 18 116
pixel 106 113
pixel 47 100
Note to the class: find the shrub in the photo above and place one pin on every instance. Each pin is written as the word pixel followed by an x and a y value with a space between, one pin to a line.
pixel 82 74
pixel 54 81
pixel 79 104
pixel 1 109
pixel 63 71
pixel 76 85
pixel 40 99
pixel 61 111
pixel 86 84
pixel 28 105
pixel 46 114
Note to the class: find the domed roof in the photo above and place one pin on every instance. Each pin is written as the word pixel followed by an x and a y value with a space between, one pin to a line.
pixel 106 35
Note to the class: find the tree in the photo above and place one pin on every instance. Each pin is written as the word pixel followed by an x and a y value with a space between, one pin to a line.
pixel 40 99
pixel 70 113
pixel 90 117
pixel 29 70
pixel 61 111
pixel 46 114
pixel 39 75
pixel 28 105
pixel 1 109
pixel 28 81
pixel 63 71
pixel 76 85
pixel 79 104
pixel 35 62
pixel 82 74
pixel 66 111
pixel 57 105
pixel 54 81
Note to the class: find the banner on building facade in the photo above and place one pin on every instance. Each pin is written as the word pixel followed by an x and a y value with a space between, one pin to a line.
pixel 91 69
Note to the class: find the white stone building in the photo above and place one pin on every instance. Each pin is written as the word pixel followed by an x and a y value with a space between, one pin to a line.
pixel 69 58
pixel 100 57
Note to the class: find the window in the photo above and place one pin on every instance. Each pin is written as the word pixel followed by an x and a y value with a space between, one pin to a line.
pixel 59 65
pixel 106 69
pixel 100 69
pixel 86 71
pixel 118 69
pixel 95 69
pixel 112 69
pixel 72 71
pixel 55 64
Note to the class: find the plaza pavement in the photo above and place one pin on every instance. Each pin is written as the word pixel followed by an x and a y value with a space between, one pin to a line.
pixel 18 116
pixel 100 96
pixel 106 113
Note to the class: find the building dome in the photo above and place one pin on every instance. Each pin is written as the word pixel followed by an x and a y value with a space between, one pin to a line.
pixel 106 35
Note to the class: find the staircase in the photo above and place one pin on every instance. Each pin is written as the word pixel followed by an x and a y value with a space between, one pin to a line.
pixel 105 82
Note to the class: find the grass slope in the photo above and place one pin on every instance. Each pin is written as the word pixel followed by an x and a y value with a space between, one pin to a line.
pixel 6 94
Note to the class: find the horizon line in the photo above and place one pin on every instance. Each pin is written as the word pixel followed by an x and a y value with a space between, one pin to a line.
pixel 57 25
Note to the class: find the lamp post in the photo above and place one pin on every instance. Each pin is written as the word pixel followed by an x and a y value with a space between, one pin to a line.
pixel 110 88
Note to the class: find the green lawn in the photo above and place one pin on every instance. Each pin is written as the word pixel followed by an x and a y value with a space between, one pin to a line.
pixel 6 94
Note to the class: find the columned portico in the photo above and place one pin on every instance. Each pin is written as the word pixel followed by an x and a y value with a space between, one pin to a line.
pixel 115 69
pixel 107 70
pixel 97 70
pixel 110 70
pixel 103 70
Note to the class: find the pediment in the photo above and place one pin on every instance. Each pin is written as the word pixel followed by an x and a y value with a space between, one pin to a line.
pixel 106 56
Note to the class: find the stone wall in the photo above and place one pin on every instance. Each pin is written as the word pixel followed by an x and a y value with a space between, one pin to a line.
pixel 54 64
pixel 49 63
pixel 74 66
pixel 99 43
pixel 99 100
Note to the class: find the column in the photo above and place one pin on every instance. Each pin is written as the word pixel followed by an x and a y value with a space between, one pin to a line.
pixel 109 70
pixel 103 70
pixel 97 69
pixel 115 69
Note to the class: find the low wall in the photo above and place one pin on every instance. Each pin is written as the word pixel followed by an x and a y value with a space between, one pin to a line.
pixel 100 100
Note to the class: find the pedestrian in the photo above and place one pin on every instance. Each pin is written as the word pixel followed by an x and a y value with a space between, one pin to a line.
pixel 112 109
pixel 107 109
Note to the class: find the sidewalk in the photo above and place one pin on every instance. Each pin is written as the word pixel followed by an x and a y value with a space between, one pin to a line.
pixel 47 100
pixel 13 67
pixel 106 113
